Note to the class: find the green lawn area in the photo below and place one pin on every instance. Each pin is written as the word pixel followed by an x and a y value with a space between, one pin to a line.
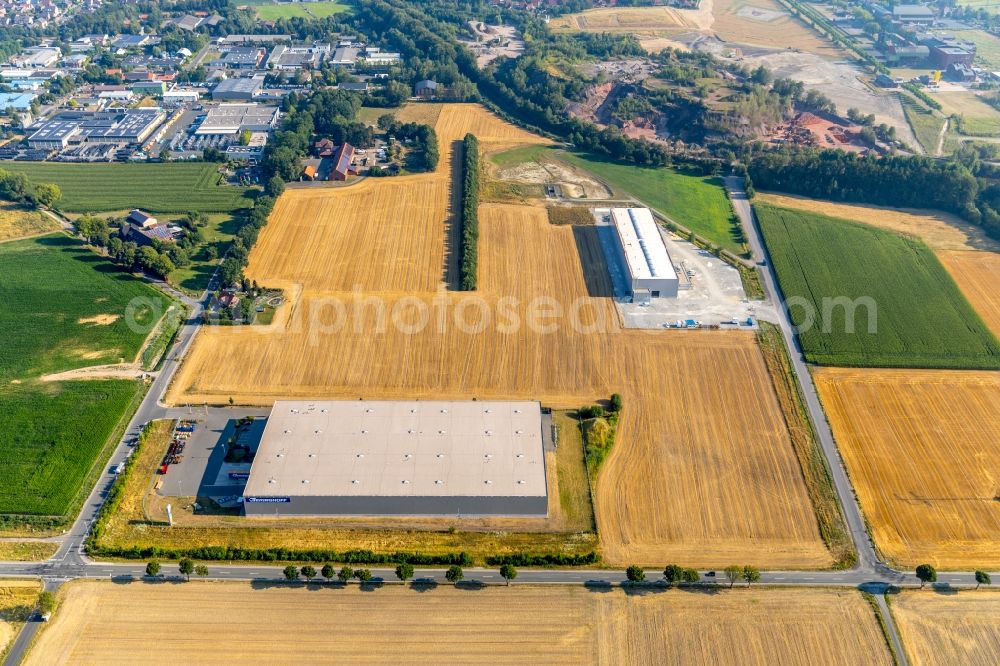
pixel 159 188
pixel 919 317
pixel 267 11
pixel 926 126
pixel 219 233
pixel 696 202
pixel 987 46
pixel 511 158
pixel 60 301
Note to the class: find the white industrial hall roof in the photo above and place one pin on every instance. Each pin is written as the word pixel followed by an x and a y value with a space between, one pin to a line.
pixel 645 253
pixel 400 449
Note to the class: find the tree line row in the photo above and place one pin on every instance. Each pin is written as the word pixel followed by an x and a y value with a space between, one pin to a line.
pixel 469 212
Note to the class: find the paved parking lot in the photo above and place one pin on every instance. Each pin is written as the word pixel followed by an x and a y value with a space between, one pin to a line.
pixel 203 472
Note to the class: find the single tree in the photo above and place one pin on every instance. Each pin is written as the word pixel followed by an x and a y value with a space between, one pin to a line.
pixel 201 570
pixel 345 574
pixel 672 573
pixel 926 573
pixel 363 575
pixel 751 574
pixel 309 572
pixel 291 572
pixel 982 578
pixel 454 574
pixel 404 571
pixel 46 602
pixel 508 572
pixel 327 572
pixel 186 567
pixel 153 568
pixel 733 573
pixel 690 576
pixel 635 574
pixel 616 402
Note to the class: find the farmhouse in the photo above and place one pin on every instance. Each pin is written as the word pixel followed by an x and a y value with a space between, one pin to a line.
pixel 432 458
pixel 342 160
pixel 142 219
pixel 649 271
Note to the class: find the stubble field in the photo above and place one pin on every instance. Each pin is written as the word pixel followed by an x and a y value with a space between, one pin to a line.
pixel 920 446
pixel 521 624
pixel 17 598
pixel 623 19
pixel 955 629
pixel 767 23
pixel 977 275
pixel 701 431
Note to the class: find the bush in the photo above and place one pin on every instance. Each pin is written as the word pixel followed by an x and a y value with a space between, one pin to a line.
pixel 542 560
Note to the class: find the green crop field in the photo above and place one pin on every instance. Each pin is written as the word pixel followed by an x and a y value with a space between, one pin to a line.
pixel 64 307
pixel 159 188
pixel 696 202
pixel 267 11
pixel 918 316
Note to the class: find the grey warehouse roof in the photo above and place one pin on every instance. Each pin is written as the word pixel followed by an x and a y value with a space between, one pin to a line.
pixel 400 449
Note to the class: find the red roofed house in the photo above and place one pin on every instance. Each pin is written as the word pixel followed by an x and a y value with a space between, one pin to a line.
pixel 342 163
pixel 324 148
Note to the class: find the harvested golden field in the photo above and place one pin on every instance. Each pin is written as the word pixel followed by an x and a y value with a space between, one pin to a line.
pixel 623 19
pixel 98 622
pixel 541 326
pixel 978 276
pixel 767 23
pixel 15 222
pixel 921 447
pixel 954 629
pixel 939 230
pixel 17 599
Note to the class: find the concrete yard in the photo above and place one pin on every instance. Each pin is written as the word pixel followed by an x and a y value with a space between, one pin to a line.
pixel 202 472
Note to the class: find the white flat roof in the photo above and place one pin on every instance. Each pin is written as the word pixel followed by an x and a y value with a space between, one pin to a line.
pixel 400 449
pixel 645 253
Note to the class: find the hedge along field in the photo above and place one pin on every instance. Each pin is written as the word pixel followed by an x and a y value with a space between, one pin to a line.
pixel 158 188
pixel 63 308
pixel 696 202
pixel 922 319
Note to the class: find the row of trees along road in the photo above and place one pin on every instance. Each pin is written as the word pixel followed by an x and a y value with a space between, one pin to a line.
pixel 672 573
pixel 404 572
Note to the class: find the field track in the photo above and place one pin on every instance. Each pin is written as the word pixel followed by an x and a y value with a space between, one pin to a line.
pixel 104 623
pixel 701 431
pixel 949 629
pixel 920 446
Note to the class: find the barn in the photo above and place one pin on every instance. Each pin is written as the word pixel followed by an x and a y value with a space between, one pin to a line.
pixel 399 458
pixel 650 272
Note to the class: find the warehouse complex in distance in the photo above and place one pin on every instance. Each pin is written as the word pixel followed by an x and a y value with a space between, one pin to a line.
pixel 413 458
pixel 650 273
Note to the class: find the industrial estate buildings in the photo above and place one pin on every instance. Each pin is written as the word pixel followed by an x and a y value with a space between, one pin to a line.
pixel 427 458
pixel 650 273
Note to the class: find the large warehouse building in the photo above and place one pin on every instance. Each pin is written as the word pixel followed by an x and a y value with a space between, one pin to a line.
pixel 413 458
pixel 650 273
